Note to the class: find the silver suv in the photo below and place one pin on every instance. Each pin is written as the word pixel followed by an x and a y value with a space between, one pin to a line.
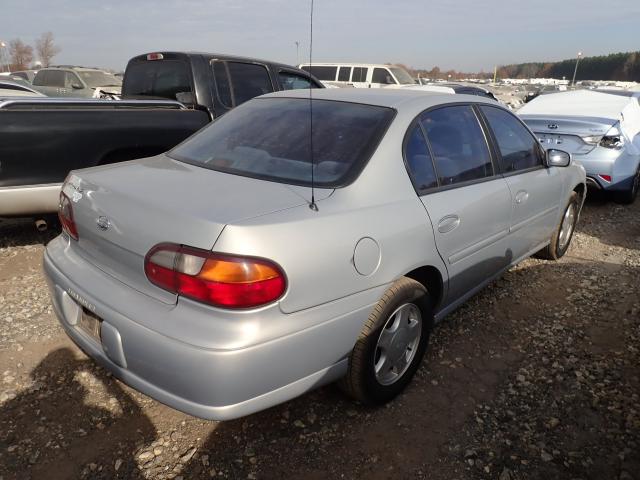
pixel 77 82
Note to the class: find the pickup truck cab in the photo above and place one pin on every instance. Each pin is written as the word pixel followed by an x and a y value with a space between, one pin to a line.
pixel 167 96
pixel 76 82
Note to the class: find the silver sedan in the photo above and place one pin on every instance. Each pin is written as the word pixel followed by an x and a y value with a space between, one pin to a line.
pixel 295 242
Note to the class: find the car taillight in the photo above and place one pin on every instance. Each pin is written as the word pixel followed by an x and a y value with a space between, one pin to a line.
pixel 155 56
pixel 606 178
pixel 615 142
pixel 221 280
pixel 65 214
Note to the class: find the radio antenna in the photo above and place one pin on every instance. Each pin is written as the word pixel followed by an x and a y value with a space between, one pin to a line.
pixel 312 205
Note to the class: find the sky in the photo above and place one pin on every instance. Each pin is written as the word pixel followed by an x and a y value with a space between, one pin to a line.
pixel 464 35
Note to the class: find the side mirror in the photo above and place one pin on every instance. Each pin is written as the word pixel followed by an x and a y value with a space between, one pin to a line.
pixel 558 158
pixel 76 86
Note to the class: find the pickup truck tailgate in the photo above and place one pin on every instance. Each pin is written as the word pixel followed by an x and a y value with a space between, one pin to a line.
pixel 122 210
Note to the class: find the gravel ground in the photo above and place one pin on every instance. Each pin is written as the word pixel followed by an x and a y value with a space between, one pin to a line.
pixel 536 377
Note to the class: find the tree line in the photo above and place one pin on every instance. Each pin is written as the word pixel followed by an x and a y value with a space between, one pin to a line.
pixel 615 66
pixel 21 54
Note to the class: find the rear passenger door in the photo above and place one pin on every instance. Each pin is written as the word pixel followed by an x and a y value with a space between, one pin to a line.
pixel 468 202
pixel 536 190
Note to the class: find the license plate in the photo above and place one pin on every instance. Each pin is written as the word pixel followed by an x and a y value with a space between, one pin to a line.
pixel 90 324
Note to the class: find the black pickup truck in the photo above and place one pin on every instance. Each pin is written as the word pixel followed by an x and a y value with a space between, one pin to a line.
pixel 166 96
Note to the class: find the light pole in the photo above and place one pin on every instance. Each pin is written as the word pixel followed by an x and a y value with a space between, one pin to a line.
pixel 2 59
pixel 297 53
pixel 573 82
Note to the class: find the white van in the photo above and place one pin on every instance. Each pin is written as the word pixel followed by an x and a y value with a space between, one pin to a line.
pixel 360 75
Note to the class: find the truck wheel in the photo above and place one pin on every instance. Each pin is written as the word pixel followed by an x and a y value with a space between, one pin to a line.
pixel 391 344
pixel 628 196
pixel 562 235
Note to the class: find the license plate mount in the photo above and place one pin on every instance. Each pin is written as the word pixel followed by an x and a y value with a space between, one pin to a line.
pixel 90 324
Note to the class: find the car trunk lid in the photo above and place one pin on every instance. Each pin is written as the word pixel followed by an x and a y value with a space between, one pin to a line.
pixel 568 133
pixel 123 210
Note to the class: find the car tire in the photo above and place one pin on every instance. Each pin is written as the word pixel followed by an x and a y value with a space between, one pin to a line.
pixel 627 197
pixel 562 235
pixel 371 378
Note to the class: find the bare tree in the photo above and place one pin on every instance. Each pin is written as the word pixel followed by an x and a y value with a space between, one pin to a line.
pixel 21 54
pixel 46 48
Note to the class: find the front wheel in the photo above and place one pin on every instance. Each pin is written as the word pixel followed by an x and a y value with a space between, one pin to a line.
pixel 562 235
pixel 391 344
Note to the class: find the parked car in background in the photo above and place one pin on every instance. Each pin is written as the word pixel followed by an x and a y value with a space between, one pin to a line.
pixel 459 88
pixel 361 75
pixel 27 75
pixel 600 130
pixel 77 82
pixel 41 140
pixel 269 254
pixel 11 88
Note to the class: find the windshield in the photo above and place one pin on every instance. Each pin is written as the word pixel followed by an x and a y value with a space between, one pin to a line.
pixel 99 79
pixel 269 138
pixel 402 76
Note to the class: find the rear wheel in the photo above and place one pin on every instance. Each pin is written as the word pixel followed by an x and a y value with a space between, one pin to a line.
pixel 562 235
pixel 391 344
pixel 629 196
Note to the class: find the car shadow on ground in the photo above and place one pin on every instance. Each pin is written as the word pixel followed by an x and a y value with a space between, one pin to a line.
pixel 58 429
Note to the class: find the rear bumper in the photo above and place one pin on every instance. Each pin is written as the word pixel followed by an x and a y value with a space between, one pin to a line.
pixel 29 200
pixel 218 384
pixel 620 165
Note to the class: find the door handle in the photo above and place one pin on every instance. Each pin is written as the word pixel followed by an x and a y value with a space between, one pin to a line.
pixel 448 223
pixel 522 196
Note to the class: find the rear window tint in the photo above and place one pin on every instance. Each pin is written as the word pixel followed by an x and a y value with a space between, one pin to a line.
pixel 322 72
pixel 270 139
pixel 343 74
pixel 157 78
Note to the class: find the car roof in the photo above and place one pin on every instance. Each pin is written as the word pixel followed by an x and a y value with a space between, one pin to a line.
pixel 348 64
pixel 222 56
pixel 384 97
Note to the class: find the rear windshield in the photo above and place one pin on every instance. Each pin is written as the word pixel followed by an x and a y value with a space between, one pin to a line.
pixel 269 138
pixel 157 78
pixel 99 79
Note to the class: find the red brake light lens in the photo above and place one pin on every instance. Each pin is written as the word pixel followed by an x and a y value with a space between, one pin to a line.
pixel 227 281
pixel 65 214
pixel 155 56
pixel 606 178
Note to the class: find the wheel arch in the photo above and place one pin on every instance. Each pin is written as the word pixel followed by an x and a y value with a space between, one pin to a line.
pixel 433 281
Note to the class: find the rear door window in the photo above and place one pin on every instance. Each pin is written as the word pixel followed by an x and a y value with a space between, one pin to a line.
pixel 52 78
pixel 322 72
pixel 418 159
pixel 460 150
pixel 359 74
pixel 157 78
pixel 519 150
pixel 343 74
pixel 248 80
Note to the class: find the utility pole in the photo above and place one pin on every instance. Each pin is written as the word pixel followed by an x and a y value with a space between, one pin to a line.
pixel 2 56
pixel 297 53
pixel 573 82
